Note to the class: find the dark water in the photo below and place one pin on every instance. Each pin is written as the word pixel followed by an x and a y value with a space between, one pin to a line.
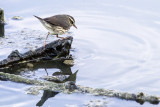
pixel 116 46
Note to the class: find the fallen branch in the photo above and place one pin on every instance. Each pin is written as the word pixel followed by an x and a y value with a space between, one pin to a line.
pixel 63 87
pixel 55 49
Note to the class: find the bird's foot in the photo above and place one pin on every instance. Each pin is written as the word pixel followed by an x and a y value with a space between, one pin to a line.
pixel 60 37
pixel 44 44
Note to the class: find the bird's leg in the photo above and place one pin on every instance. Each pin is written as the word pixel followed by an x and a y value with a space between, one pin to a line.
pixel 46 71
pixel 60 37
pixel 46 38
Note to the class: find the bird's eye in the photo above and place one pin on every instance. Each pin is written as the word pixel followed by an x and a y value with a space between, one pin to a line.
pixel 71 20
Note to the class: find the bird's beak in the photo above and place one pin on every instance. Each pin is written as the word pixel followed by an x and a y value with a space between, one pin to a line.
pixel 75 26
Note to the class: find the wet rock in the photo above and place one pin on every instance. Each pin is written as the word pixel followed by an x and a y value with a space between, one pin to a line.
pixel 17 18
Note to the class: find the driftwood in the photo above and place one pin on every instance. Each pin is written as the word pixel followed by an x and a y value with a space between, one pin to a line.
pixel 65 88
pixel 54 50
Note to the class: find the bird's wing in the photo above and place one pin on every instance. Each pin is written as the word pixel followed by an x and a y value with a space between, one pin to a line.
pixel 58 20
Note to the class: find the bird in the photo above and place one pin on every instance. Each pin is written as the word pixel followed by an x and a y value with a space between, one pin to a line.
pixel 57 24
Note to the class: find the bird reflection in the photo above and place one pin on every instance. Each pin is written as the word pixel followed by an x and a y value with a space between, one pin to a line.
pixel 64 70
pixel 46 94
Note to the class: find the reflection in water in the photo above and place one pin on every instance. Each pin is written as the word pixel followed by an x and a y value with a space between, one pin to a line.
pixel 33 66
pixel 65 70
pixel 46 94
pixel 64 74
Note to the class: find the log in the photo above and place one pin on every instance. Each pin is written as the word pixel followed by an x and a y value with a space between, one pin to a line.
pixel 65 88
pixel 54 50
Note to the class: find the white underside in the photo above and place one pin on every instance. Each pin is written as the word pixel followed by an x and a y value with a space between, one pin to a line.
pixel 56 30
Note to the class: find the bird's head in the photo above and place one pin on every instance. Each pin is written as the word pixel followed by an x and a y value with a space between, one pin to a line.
pixel 72 21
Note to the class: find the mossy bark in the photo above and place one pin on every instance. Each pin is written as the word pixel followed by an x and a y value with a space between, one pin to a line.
pixel 61 87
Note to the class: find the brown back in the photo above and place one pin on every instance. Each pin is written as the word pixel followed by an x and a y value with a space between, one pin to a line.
pixel 59 20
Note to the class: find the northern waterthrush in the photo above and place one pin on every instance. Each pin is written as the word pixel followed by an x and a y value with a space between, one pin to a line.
pixel 57 25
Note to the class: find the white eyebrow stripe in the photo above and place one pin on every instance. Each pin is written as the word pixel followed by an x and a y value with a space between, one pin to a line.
pixel 71 19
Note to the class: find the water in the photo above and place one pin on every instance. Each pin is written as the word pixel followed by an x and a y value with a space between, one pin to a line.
pixel 116 46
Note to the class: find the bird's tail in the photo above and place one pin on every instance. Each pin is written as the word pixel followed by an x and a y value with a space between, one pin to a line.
pixel 40 19
pixel 37 17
